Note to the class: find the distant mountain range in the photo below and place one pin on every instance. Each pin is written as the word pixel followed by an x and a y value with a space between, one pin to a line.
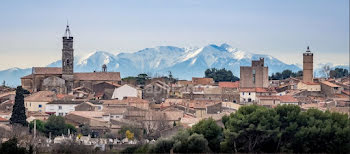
pixel 184 63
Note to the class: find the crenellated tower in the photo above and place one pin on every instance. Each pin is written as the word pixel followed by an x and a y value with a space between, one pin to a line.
pixel 308 68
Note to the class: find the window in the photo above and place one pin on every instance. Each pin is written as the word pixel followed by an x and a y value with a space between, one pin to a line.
pixel 243 93
pixel 249 100
pixel 254 76
pixel 40 105
pixel 60 114
pixel 248 93
pixel 60 107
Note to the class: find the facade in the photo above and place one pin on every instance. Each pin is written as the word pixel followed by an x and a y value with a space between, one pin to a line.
pixel 309 86
pixel 230 91
pixel 63 79
pixel 156 92
pixel 126 91
pixel 38 101
pixel 247 95
pixel 61 107
pixel 308 66
pixel 255 75
pixel 330 89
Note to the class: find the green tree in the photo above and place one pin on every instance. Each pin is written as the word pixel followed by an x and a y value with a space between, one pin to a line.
pixel 40 126
pixel 10 147
pixel 339 73
pixel 19 112
pixel 220 75
pixel 197 143
pixel 162 146
pixel 211 131
pixel 141 79
pixel 57 126
pixel 251 129
pixel 85 130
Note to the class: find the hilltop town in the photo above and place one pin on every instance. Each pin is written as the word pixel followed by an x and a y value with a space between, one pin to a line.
pixel 103 110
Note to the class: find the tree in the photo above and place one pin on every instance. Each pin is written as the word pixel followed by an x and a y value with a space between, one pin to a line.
pixel 57 126
pixel 251 129
pixel 141 79
pixel 220 75
pixel 85 130
pixel 40 126
pixel 211 131
pixel 129 135
pixel 162 146
pixel 4 83
pixel 197 144
pixel 19 112
pixel 339 73
pixel 10 147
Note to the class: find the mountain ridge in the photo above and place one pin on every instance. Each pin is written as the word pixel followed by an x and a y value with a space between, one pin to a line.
pixel 184 63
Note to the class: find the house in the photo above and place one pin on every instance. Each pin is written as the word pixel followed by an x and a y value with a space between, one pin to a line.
pixel 82 92
pixel 268 101
pixel 330 89
pixel 4 121
pixel 202 81
pixel 33 115
pixel 156 92
pixel 89 106
pixel 247 95
pixel 288 99
pixel 37 101
pixel 309 86
pixel 61 107
pixel 230 91
pixel 126 91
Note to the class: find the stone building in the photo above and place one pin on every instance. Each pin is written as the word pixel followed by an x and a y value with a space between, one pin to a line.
pixel 308 66
pixel 63 79
pixel 254 76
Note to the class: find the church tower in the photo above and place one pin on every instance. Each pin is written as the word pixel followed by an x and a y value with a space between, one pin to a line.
pixel 308 68
pixel 67 59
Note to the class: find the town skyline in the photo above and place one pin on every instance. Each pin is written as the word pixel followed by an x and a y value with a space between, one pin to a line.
pixel 255 28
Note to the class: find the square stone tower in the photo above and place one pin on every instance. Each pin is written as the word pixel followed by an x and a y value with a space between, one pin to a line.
pixel 308 68
pixel 255 76
pixel 68 60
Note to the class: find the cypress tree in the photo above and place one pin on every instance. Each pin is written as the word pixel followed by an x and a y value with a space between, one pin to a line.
pixel 19 111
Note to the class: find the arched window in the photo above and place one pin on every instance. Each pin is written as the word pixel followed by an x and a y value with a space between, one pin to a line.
pixel 67 62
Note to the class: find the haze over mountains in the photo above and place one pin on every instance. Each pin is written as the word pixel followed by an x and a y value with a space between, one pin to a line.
pixel 184 63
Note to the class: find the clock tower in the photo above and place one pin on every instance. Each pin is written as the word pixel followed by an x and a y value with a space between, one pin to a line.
pixel 68 59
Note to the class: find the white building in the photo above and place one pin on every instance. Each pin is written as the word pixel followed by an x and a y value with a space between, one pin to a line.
pixel 126 91
pixel 61 107
pixel 247 95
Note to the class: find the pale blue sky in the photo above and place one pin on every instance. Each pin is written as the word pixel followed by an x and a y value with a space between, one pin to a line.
pixel 31 30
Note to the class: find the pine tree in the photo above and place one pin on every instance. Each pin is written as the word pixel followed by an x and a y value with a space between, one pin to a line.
pixel 19 111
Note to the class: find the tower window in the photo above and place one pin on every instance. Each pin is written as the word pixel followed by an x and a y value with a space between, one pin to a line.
pixel 254 76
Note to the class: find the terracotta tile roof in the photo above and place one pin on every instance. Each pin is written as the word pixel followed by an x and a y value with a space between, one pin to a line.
pixel 247 89
pixel 47 70
pixel 268 97
pixel 65 102
pixel 287 98
pixel 261 90
pixel 98 76
pixel 229 84
pixel 30 76
pixel 329 84
pixel 3 120
pixel 311 83
pixel 346 92
pixel 41 96
pixel 203 81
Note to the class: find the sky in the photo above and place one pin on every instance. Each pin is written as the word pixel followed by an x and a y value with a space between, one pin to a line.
pixel 31 31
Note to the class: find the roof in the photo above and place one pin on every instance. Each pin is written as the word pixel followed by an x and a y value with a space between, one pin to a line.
pixel 247 89
pixel 65 102
pixel 47 70
pixel 311 83
pixel 346 92
pixel 98 76
pixel 329 84
pixel 202 81
pixel 30 76
pixel 3 120
pixel 229 84
pixel 287 98
pixel 268 97
pixel 41 96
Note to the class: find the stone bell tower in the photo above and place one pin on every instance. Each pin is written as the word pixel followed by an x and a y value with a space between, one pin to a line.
pixel 308 68
pixel 68 59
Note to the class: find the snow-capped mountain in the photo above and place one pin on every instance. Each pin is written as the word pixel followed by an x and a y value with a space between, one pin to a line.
pixel 184 63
